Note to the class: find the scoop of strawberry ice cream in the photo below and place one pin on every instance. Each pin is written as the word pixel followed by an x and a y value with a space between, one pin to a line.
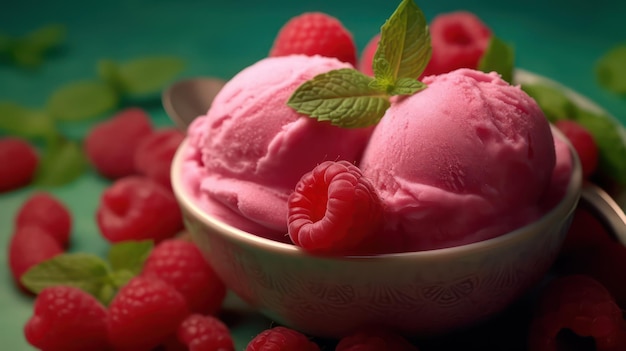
pixel 467 159
pixel 247 153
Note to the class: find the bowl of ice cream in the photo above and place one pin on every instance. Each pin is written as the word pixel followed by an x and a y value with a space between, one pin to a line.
pixel 471 230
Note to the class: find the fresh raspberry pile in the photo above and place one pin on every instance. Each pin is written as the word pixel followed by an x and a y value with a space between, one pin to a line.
pixel 281 339
pixel 23 159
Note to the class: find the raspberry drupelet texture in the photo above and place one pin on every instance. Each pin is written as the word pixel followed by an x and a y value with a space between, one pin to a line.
pixel 205 333
pixel 144 313
pixel 334 209
pixel 281 339
pixel 315 33
pixel 46 211
pixel 67 319
pixel 111 144
pixel 580 304
pixel 181 264
pixel 138 208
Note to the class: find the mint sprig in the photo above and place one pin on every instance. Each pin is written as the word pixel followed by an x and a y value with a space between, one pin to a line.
pixel 351 99
pixel 611 71
pixel 499 57
pixel 89 272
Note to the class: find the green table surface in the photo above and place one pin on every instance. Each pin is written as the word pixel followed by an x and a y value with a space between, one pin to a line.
pixel 559 39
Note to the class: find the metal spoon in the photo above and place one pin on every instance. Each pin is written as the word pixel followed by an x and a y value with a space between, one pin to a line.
pixel 187 99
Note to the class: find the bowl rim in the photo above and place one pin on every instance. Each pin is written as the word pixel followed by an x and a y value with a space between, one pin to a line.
pixel 561 210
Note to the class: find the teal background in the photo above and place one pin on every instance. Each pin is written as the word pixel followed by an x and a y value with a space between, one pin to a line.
pixel 556 38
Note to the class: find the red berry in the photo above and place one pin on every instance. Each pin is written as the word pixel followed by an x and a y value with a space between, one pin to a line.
pixel 281 339
pixel 374 340
pixel 154 154
pixel 181 264
pixel 110 145
pixel 138 208
pixel 367 57
pixel 67 319
pixel 584 144
pixel 459 39
pixel 29 246
pixel 334 209
pixel 19 162
pixel 144 313
pixel 205 333
pixel 579 304
pixel 315 33
pixel 44 210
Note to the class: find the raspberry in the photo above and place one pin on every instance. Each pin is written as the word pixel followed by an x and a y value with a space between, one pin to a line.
pixel 459 39
pixel 154 154
pixel 110 145
pixel 205 333
pixel 144 313
pixel 19 162
pixel 374 340
pixel 334 209
pixel 67 319
pixel 138 208
pixel 584 144
pixel 180 264
pixel 590 250
pixel 367 57
pixel 29 246
pixel 581 305
pixel 315 33
pixel 44 210
pixel 281 339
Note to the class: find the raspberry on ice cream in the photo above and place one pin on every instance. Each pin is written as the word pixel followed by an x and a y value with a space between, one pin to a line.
pixel 247 154
pixel 466 159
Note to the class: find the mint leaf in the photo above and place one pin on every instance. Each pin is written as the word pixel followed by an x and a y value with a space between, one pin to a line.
pixel 611 70
pixel 342 97
pixel 608 135
pixel 499 57
pixel 108 72
pixel 554 103
pixel 407 86
pixel 404 48
pixel 6 43
pixel 147 75
pixel 26 56
pixel 84 271
pixel 62 162
pixel 45 38
pixel 130 255
pixel 81 100
pixel 23 122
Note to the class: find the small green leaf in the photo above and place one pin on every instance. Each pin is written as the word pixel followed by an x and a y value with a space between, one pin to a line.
pixel 26 123
pixel 130 255
pixel 82 100
pixel 147 75
pixel 45 38
pixel 404 44
pixel 612 150
pixel 106 294
pixel 407 86
pixel 62 162
pixel 108 71
pixel 499 57
pixel 554 103
pixel 84 271
pixel 342 97
pixel 6 43
pixel 26 56
pixel 611 70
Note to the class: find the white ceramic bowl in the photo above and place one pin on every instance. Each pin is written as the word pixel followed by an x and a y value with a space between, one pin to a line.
pixel 418 293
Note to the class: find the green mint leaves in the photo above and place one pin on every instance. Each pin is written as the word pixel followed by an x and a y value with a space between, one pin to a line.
pixel 29 50
pixel 89 272
pixel 81 100
pixel 350 99
pixel 611 70
pixel 499 57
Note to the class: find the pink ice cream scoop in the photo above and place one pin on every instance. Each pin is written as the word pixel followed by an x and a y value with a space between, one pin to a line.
pixel 247 154
pixel 468 158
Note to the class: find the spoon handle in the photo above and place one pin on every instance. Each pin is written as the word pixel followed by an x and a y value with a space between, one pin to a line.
pixel 606 210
